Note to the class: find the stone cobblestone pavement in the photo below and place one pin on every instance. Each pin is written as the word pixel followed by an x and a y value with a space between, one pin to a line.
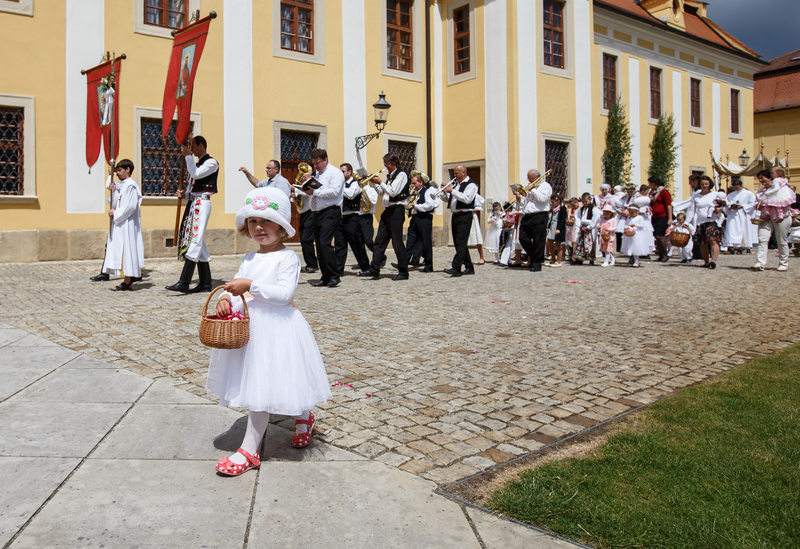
pixel 445 377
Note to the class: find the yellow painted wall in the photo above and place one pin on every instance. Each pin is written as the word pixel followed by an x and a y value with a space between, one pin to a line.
pixel 779 130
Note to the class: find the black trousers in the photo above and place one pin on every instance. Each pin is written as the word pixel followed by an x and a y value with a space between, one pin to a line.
pixel 461 224
pixel 350 233
pixel 326 225
pixel 390 227
pixel 419 239
pixel 306 227
pixel 532 237
pixel 367 230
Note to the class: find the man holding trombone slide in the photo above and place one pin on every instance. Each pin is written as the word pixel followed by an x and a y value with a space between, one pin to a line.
pixel 535 209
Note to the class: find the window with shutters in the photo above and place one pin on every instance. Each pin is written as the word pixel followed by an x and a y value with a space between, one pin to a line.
pixel 460 40
pixel 12 150
pixel 161 159
pixel 553 26
pixel 297 26
pixel 461 36
pixel 399 35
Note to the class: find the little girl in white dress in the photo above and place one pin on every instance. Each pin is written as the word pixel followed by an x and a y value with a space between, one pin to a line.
pixel 638 236
pixel 280 370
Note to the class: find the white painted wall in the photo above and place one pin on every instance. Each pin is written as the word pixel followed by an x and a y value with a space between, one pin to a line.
pixel 677 113
pixel 83 47
pixel 716 121
pixel 354 71
pixel 583 34
pixel 496 62
pixel 438 77
pixel 636 129
pixel 527 56
pixel 237 86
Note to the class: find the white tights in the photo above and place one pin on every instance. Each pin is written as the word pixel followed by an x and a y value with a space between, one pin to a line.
pixel 257 423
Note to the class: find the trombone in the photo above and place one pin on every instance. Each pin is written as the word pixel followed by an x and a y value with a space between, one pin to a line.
pixel 528 188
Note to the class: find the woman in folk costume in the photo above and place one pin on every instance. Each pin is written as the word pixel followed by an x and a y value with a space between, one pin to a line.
pixel 475 233
pixel 775 201
pixel 586 218
pixel 125 248
pixel 607 231
pixel 495 222
pixel 638 236
pixel 740 208
pixel 605 196
pixel 573 228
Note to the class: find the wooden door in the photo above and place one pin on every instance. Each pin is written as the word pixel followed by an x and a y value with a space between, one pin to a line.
pixel 289 171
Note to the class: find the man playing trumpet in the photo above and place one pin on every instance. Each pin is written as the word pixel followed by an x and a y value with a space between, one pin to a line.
pixel 533 227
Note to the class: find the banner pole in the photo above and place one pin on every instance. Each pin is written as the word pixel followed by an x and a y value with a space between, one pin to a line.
pixel 180 201
pixel 111 144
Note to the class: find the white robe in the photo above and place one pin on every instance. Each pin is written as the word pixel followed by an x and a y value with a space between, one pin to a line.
pixel 737 227
pixel 125 248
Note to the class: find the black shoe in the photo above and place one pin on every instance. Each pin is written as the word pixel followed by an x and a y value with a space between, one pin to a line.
pixel 684 261
pixel 375 275
pixel 204 271
pixel 179 287
pixel 102 277
pixel 332 283
pixel 182 285
pixel 469 271
pixel 663 259
pixel 452 272
pixel 401 276
pixel 591 262
pixel 712 265
pixel 309 270
pixel 395 265
pixel 136 279
pixel 200 288
pixel 427 270
pixel 319 283
pixel 413 263
pixel 537 267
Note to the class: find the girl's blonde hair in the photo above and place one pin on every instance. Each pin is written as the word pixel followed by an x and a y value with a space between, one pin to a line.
pixel 245 231
pixel 779 170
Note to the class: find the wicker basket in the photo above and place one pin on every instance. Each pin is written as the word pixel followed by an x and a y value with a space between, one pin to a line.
pixel 756 220
pixel 629 231
pixel 606 235
pixel 570 221
pixel 224 334
pixel 679 239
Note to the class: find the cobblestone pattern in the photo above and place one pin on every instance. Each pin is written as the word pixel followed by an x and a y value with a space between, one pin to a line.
pixel 463 373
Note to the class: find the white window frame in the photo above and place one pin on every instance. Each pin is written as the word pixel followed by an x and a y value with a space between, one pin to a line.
pixel 147 112
pixel 23 7
pixel 568 70
pixel 318 57
pixel 663 70
pixel 618 54
pixel 28 148
pixel 731 135
pixel 702 127
pixel 452 77
pixel 418 30
pixel 544 137
pixel 408 138
pixel 278 125
pixel 140 27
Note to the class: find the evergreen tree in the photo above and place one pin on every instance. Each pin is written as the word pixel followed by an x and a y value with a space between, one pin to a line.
pixel 663 152
pixel 617 156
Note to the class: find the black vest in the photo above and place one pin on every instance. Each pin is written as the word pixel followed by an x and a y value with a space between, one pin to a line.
pixel 403 194
pixel 423 193
pixel 351 204
pixel 461 188
pixel 207 184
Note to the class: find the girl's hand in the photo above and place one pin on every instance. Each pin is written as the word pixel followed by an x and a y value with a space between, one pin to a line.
pixel 238 286
pixel 223 307
pixel 558 232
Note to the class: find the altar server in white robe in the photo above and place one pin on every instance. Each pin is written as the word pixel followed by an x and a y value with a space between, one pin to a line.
pixel 125 248
pixel 741 204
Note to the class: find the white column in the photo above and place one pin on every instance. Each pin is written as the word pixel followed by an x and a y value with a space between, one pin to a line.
pixel 83 47
pixel 237 87
pixel 677 114
pixel 354 73
pixel 716 117
pixel 496 56
pixel 584 35
pixel 438 76
pixel 633 100
pixel 527 61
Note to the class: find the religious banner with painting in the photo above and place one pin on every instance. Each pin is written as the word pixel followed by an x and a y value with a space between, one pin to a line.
pixel 101 100
pixel 186 51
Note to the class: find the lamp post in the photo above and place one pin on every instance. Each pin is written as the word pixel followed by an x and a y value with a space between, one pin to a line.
pixel 744 159
pixel 381 108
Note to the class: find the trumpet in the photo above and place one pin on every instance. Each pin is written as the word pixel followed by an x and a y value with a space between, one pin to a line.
pixel 441 191
pixel 528 188
pixel 299 198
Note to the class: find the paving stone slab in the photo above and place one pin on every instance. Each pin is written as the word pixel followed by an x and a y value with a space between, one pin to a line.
pixel 499 533
pixel 337 505
pixel 24 358
pixel 163 392
pixel 132 503
pixel 26 483
pixel 12 382
pixel 278 447
pixel 86 362
pixel 9 335
pixel 59 429
pixel 33 341
pixel 86 385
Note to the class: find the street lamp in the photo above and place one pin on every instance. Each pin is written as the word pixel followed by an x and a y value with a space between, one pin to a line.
pixel 744 159
pixel 381 108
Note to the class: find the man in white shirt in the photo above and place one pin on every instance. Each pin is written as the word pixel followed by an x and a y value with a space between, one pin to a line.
pixel 274 178
pixel 462 201
pixel 396 189
pixel 533 227
pixel 326 203
pixel 306 230
pixel 350 227
pixel 367 218
pixel 420 228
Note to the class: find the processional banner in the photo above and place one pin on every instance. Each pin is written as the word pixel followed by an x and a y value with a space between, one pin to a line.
pixel 102 97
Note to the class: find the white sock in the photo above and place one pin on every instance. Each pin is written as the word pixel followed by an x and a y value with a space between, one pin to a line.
pixel 256 427
pixel 301 428
pixel 636 260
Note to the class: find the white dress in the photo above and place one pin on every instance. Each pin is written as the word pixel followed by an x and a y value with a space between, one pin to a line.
pixel 124 246
pixel 280 370
pixel 642 241
pixel 475 233
pixel 492 243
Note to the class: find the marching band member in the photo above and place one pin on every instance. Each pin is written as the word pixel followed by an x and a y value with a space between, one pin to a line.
pixel 533 227
pixel 396 191
pixel 366 218
pixel 420 228
pixel 462 192
pixel 306 230
pixel 326 203
pixel 274 178
pixel 350 227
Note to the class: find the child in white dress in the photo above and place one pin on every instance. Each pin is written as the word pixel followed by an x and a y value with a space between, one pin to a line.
pixel 638 235
pixel 280 370
pixel 492 240
pixel 681 226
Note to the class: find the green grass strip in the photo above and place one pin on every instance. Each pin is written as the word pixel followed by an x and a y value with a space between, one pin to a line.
pixel 713 466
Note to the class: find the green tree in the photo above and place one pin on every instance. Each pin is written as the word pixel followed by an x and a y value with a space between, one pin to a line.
pixel 617 156
pixel 663 152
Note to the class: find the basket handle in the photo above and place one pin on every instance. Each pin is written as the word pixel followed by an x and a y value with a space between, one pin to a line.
pixel 208 299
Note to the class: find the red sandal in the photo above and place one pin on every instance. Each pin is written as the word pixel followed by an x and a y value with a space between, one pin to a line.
pixel 228 468
pixel 304 439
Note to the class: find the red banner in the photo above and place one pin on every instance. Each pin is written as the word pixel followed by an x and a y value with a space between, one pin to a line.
pixel 186 52
pixel 102 99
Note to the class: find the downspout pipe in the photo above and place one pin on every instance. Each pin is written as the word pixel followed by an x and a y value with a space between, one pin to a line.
pixel 428 106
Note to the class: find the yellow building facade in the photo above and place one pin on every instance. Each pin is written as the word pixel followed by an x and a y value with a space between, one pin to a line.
pixel 501 86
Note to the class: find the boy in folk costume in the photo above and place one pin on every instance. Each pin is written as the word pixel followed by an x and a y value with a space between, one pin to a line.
pixel 125 248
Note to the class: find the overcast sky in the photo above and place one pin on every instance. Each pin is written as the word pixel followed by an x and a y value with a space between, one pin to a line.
pixel 770 27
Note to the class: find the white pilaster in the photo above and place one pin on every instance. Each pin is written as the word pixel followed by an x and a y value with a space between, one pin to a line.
pixel 83 48
pixel 716 117
pixel 636 130
pixel 527 55
pixel 677 114
pixel 583 34
pixel 438 76
pixel 496 55
pixel 237 87
pixel 354 73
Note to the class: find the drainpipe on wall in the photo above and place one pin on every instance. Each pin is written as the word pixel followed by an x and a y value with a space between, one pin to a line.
pixel 428 108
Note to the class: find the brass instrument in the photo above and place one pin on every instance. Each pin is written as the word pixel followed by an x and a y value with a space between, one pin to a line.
pixel 300 197
pixel 366 203
pixel 528 188
pixel 413 196
pixel 440 192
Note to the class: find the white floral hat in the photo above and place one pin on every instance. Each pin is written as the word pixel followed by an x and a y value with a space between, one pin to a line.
pixel 267 203
pixel 608 208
